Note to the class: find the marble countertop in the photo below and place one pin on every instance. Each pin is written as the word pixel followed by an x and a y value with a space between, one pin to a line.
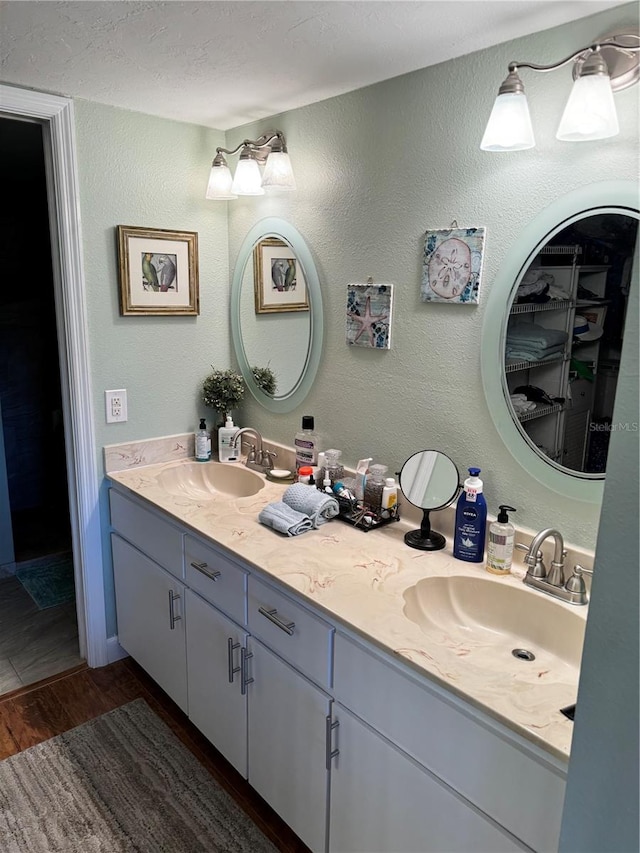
pixel 359 579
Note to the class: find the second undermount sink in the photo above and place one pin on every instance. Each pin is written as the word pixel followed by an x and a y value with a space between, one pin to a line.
pixel 202 480
pixel 495 619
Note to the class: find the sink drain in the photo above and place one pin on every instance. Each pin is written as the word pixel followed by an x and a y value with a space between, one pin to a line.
pixel 523 654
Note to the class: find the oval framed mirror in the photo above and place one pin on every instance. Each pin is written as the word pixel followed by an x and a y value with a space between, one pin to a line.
pixel 508 382
pixel 276 314
pixel 429 480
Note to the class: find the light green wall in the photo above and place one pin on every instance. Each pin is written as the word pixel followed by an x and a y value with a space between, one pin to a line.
pixel 375 168
pixel 144 171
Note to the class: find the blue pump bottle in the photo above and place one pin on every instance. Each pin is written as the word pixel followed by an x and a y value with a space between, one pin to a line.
pixel 471 521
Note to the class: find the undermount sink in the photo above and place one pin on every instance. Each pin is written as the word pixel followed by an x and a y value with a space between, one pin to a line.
pixel 205 480
pixel 497 622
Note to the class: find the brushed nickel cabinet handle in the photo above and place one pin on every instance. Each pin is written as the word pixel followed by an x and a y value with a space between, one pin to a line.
pixel 172 615
pixel 244 657
pixel 212 574
pixel 272 616
pixel 330 754
pixel 231 647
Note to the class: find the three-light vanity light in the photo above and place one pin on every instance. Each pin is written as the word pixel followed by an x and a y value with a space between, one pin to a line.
pixel 599 70
pixel 270 151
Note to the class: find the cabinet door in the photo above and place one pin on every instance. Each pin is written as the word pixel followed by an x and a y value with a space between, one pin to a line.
pixel 287 744
pixel 150 609
pixel 381 800
pixel 216 704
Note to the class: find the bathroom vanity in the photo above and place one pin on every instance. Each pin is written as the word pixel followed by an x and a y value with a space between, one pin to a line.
pixel 307 663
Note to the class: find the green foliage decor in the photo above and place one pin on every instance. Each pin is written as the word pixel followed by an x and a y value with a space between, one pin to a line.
pixel 222 390
pixel 265 379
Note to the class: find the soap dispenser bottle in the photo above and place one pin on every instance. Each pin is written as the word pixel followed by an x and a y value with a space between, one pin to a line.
pixel 471 521
pixel 226 451
pixel 203 443
pixel 500 546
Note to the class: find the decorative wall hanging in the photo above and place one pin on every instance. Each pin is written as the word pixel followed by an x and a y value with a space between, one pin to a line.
pixel 158 271
pixel 452 265
pixel 278 278
pixel 369 315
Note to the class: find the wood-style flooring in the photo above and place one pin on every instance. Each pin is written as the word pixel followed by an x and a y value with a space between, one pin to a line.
pixel 33 714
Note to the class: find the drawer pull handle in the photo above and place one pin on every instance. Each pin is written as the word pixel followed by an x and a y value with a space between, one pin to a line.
pixel 330 754
pixel 244 657
pixel 272 616
pixel 172 615
pixel 202 567
pixel 231 647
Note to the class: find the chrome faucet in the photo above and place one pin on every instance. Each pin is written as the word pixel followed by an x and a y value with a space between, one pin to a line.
pixel 553 582
pixel 258 459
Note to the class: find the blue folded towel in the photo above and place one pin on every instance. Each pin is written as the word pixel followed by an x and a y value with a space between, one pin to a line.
pixel 524 353
pixel 281 517
pixel 319 506
pixel 531 334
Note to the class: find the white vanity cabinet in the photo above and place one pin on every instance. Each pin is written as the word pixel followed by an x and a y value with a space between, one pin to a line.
pixel 151 624
pixel 382 800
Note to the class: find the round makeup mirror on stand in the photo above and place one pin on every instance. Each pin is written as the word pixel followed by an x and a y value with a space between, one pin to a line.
pixel 429 480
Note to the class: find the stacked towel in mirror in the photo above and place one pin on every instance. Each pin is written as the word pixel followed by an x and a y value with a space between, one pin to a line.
pixel 521 404
pixel 531 342
pixel 539 286
pixel 302 508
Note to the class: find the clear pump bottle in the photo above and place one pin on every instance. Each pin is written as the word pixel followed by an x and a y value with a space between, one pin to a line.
pixel 500 546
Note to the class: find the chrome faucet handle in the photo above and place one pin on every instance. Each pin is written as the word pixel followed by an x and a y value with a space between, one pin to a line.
pixel 576 584
pixel 267 459
pixel 536 567
pixel 251 455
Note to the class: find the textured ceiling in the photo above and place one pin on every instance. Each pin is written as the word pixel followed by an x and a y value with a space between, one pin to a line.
pixel 223 64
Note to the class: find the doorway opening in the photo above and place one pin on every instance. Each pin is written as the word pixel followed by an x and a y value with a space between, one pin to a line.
pixel 38 619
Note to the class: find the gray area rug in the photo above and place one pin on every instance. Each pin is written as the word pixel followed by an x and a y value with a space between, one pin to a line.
pixel 121 782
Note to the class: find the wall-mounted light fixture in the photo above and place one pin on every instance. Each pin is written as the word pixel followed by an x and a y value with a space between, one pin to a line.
pixel 599 70
pixel 269 150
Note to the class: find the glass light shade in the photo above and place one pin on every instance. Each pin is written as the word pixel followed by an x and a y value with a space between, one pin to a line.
pixel 509 126
pixel 590 112
pixel 278 173
pixel 247 179
pixel 219 186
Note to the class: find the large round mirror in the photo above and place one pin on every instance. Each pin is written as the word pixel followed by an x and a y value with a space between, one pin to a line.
pixel 554 329
pixel 429 480
pixel 276 315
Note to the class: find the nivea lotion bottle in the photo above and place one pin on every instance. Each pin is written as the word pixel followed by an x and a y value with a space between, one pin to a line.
pixel 471 521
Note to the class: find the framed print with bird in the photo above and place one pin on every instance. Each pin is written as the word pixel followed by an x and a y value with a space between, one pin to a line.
pixel 158 271
pixel 278 278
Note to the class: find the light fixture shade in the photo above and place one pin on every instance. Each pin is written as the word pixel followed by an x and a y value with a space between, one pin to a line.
pixel 219 186
pixel 590 112
pixel 278 174
pixel 247 179
pixel 509 126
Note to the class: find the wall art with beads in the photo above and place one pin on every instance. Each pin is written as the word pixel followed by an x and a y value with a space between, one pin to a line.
pixel 369 309
pixel 452 265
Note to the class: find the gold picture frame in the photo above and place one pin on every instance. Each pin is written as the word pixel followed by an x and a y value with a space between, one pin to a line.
pixel 158 271
pixel 278 278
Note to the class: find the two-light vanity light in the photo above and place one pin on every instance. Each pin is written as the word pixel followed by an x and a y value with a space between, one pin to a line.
pixel 269 150
pixel 599 70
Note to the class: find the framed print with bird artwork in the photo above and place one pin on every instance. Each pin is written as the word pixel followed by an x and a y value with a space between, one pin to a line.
pixel 158 271
pixel 278 278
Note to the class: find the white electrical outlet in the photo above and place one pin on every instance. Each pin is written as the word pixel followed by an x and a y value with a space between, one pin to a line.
pixel 116 405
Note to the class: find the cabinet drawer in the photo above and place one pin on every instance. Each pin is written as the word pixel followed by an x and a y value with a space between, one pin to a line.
pixel 292 631
pixel 148 531
pixel 492 769
pixel 215 577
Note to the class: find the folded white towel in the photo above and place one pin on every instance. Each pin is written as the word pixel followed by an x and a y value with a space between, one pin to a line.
pixel 319 506
pixel 281 517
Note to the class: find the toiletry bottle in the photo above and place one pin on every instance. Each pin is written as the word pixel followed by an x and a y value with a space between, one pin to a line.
pixel 361 476
pixel 203 443
pixel 226 452
pixel 389 505
pixel 471 521
pixel 334 469
pixel 304 474
pixel 374 487
pixel 500 546
pixel 306 443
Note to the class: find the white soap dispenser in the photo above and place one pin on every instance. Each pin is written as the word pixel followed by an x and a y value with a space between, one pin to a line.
pixel 226 451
